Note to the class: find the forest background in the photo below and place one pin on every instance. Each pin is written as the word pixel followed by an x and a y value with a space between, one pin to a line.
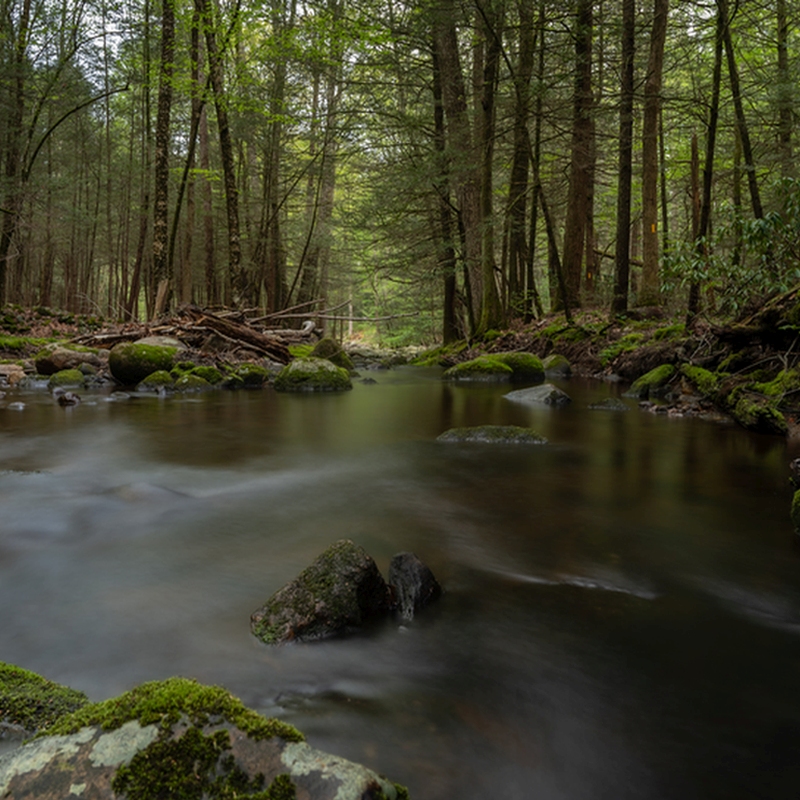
pixel 443 168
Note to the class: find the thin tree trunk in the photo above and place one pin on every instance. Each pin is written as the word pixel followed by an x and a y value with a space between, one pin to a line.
pixel 619 304
pixel 580 158
pixel 785 88
pixel 650 291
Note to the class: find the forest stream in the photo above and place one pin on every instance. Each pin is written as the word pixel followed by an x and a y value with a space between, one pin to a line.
pixel 621 616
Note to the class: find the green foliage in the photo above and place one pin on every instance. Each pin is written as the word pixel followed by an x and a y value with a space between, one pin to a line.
pixel 626 344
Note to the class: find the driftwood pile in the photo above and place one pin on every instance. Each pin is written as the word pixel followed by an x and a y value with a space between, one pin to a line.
pixel 201 329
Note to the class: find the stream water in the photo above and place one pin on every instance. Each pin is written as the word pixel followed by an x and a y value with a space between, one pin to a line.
pixel 622 607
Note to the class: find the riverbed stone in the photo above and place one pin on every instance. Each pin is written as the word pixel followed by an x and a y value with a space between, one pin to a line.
pixel 11 374
pixel 492 434
pixel 609 404
pixel 340 591
pixel 557 366
pixel 67 379
pixel 56 357
pixel 545 395
pixel 312 375
pixel 413 584
pixel 179 739
pixel 332 350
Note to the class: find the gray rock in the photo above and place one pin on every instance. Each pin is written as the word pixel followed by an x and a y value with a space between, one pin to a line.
pixel 56 357
pixel 413 583
pixel 492 434
pixel 557 366
pixel 138 760
pixel 609 404
pixel 544 395
pixel 341 590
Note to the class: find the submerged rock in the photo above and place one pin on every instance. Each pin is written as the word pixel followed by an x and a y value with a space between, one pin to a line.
pixel 341 590
pixel 180 739
pixel 544 395
pixel 413 583
pixel 609 404
pixel 493 434
pixel 312 375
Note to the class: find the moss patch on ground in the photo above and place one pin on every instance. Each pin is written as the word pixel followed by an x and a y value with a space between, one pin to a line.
pixel 33 702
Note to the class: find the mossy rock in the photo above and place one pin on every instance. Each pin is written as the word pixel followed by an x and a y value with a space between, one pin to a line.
pixel 156 382
pixel 556 365
pixel 209 374
pixel 312 375
pixel 253 376
pixel 332 350
pixel 795 512
pixel 492 434
pixel 785 382
pixel 707 383
pixel 131 362
pixel 30 703
pixel 340 591
pixel 756 413
pixel 524 366
pixel 652 383
pixel 67 379
pixel 482 368
pixel 59 356
pixel 189 383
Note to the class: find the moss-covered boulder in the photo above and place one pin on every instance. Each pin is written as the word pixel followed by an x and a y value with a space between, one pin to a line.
pixel 209 374
pixel 795 511
pixel 181 740
pixel 557 366
pixel 340 591
pixel 759 414
pixel 707 383
pixel 191 383
pixel 332 350
pixel 312 375
pixel 652 383
pixel 252 376
pixel 524 366
pixel 159 381
pixel 492 434
pixel 609 404
pixel 131 362
pixel 30 703
pixel 59 356
pixel 482 368
pixel 67 379
pixel 545 395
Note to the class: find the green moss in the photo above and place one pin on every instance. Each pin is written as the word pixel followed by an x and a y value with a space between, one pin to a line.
pixel 328 348
pixel 191 383
pixel 491 335
pixel 574 333
pixel 131 362
pixel 313 375
pixel 66 378
pixel 209 374
pixel 785 382
pixel 758 414
pixel 181 368
pixel 653 380
pixel 675 331
pixel 626 344
pixel 707 383
pixel 486 368
pixel 439 356
pixel 33 702
pixel 252 375
pixel 557 364
pixel 194 767
pixel 524 366
pixel 795 511
pixel 155 381
pixel 20 343
pixel 300 350
pixel 165 702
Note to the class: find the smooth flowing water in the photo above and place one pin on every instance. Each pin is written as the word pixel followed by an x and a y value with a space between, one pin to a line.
pixel 622 608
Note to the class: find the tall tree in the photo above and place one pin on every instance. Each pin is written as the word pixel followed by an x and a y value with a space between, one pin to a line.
pixel 650 291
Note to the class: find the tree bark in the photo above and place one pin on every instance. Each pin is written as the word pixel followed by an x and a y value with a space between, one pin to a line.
pixel 619 304
pixel 650 291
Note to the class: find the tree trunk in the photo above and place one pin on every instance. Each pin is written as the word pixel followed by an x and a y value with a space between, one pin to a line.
pixel 461 145
pixel 650 292
pixel 785 89
pixel 580 158
pixel 619 304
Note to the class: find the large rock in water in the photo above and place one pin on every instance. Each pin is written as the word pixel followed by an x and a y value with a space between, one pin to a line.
pixel 413 583
pixel 131 362
pixel 56 357
pixel 312 375
pixel 178 739
pixel 340 591
pixel 544 395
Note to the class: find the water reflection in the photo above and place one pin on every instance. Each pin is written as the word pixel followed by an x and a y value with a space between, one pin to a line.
pixel 622 608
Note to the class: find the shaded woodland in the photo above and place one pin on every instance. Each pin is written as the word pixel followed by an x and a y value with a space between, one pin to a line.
pixel 448 167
